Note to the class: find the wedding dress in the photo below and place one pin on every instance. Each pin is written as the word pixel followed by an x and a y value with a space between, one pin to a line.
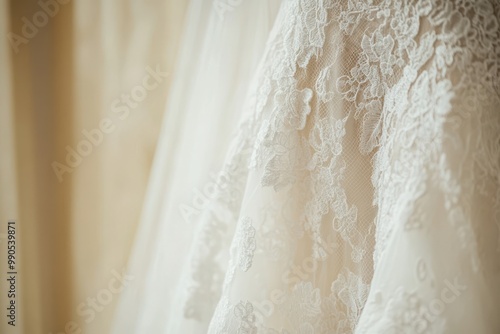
pixel 360 191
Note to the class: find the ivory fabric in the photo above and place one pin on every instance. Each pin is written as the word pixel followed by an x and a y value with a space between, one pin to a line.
pixel 360 190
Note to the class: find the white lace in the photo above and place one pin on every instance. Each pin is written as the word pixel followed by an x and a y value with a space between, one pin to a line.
pixel 364 178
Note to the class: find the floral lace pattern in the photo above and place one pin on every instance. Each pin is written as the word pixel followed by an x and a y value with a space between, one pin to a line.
pixel 245 238
pixel 407 314
pixel 373 123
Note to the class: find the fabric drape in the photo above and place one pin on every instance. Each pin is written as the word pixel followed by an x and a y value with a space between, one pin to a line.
pixel 360 191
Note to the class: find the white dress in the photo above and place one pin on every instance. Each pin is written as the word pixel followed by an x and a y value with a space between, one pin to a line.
pixel 357 144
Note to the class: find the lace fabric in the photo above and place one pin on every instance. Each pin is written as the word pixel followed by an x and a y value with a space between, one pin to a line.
pixel 361 193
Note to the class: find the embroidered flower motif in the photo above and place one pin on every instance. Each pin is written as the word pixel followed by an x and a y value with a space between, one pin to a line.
pixel 244 312
pixel 352 292
pixel 293 107
pixel 245 243
pixel 378 48
pixel 372 126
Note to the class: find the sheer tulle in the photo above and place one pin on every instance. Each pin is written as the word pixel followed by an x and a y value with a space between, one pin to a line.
pixel 361 190
pixel 217 61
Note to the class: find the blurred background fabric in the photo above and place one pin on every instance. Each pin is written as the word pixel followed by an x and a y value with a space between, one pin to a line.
pixel 60 81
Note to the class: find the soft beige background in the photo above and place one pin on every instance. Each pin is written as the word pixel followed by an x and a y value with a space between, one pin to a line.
pixel 73 235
